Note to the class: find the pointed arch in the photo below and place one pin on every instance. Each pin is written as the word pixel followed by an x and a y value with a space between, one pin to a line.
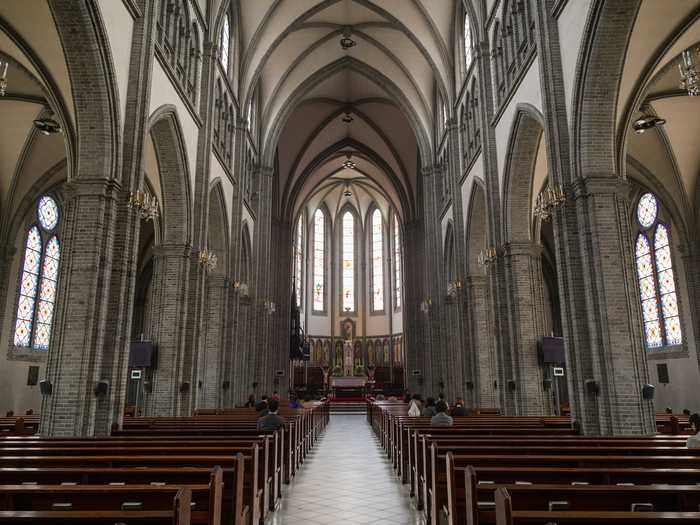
pixel 349 231
pixel 377 245
pixel 217 231
pixel 245 272
pixel 321 234
pixel 477 227
pixel 173 169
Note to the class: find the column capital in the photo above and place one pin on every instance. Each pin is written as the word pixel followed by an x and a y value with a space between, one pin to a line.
pixel 108 188
pixel 528 248
pixel 600 184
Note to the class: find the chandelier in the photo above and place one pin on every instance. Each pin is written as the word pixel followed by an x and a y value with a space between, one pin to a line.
pixel 548 200
pixel 348 118
pixel 207 260
pixel 3 77
pixel 349 164
pixel 145 204
pixel 346 42
pixel 241 288
pixel 646 122
pixel 453 288
pixel 270 307
pixel 425 305
pixel 690 81
pixel 346 191
pixel 487 257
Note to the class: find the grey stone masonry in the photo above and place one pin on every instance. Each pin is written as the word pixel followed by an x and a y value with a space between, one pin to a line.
pixel 482 371
pixel 211 362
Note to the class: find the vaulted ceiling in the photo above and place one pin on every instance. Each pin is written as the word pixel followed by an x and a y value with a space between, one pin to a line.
pixel 318 101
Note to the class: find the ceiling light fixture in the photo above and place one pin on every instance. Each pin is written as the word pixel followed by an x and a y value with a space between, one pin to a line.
pixel 3 77
pixel 47 125
pixel 690 80
pixel 646 122
pixel 346 191
pixel 349 164
pixel 346 42
pixel 348 118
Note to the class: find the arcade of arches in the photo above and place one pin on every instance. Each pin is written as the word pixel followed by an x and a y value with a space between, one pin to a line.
pixel 428 186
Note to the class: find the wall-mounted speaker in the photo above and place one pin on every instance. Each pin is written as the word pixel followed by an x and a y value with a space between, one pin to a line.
pixel 199 384
pixel 592 387
pixel 547 384
pixel 184 387
pixel 511 385
pixel 226 385
pixel 33 376
pixel 648 392
pixel 45 387
pixel 255 384
pixel 470 385
pixel 495 385
pixel 101 388
pixel 148 387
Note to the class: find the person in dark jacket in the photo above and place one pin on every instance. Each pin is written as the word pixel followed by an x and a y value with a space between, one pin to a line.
pixel 459 410
pixel 271 421
pixel 429 410
pixel 251 401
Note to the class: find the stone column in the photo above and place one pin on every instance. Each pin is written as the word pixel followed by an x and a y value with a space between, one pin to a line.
pixel 168 317
pixel 212 356
pixel 414 319
pixel 482 371
pixel 527 324
pixel 690 252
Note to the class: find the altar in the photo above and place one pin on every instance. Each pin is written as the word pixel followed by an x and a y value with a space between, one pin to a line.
pixel 348 386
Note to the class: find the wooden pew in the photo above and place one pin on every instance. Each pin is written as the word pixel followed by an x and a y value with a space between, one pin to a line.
pixel 178 514
pixel 506 515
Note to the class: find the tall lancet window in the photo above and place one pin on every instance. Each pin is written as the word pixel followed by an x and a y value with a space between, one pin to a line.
pixel 397 264
pixel 468 52
pixel 348 276
pixel 319 261
pixel 377 262
pixel 37 293
pixel 657 284
pixel 298 260
pixel 225 42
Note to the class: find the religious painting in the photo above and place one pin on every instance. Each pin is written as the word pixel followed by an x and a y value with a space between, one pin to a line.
pixel 359 362
pixel 398 358
pixel 326 351
pixel 338 354
pixel 387 359
pixel 347 329
pixel 318 351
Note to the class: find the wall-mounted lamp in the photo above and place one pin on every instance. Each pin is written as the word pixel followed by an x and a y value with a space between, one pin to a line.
pixel 241 288
pixel 425 305
pixel 488 256
pixel 145 204
pixel 552 197
pixel 270 307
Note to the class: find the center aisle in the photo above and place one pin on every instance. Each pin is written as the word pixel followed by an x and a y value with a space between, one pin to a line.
pixel 346 480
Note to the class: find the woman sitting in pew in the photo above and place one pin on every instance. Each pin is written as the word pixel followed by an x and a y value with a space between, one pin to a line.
pixel 694 440
pixel 441 419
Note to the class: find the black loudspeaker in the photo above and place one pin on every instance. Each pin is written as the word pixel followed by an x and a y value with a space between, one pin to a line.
pixel 547 384
pixel 648 391
pixel 199 384
pixel 148 387
pixel 184 387
pixel 33 376
pixel 495 385
pixel 511 385
pixel 226 385
pixel 45 387
pixel 592 387
pixel 142 354
pixel 470 385
pixel 101 388
pixel 255 384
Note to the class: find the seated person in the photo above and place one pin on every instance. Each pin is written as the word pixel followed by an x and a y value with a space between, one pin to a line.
pixel 271 421
pixel 251 401
pixel 694 440
pixel 416 407
pixel 261 404
pixel 262 408
pixel 294 401
pixel 459 410
pixel 441 419
pixel 429 410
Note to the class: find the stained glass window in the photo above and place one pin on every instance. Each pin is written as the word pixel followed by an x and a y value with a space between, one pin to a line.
pixel 397 264
pixel 377 262
pixel 298 260
pixel 657 288
pixel 225 42
pixel 319 260
pixel 468 54
pixel 39 276
pixel 348 264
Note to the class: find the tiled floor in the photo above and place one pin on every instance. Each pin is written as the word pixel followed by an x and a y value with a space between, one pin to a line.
pixel 346 480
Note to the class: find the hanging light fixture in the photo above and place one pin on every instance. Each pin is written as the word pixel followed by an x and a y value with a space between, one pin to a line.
pixel 552 197
pixel 487 257
pixel 207 260
pixel 348 118
pixel 145 204
pixel 690 80
pixel 349 164
pixel 346 42
pixel 646 122
pixel 346 191
pixel 46 125
pixel 3 77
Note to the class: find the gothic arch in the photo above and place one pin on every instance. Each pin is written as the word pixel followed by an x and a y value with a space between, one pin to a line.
pixel 518 173
pixel 246 269
pixel 173 169
pixel 449 256
pixel 477 227
pixel 217 232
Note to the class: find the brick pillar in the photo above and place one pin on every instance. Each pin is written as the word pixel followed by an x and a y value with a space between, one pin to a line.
pixel 527 324
pixel 168 320
pixel 690 252
pixel 600 311
pixel 414 322
pixel 211 362
pixel 77 348
pixel 482 371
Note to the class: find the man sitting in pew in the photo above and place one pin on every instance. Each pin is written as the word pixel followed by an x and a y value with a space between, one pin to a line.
pixel 441 419
pixel 694 440
pixel 271 421
pixel 459 410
